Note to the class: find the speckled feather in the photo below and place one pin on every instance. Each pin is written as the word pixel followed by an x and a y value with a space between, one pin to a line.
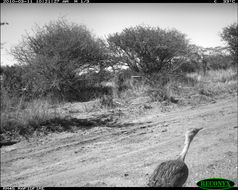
pixel 172 173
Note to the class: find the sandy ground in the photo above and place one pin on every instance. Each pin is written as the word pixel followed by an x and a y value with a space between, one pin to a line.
pixel 127 155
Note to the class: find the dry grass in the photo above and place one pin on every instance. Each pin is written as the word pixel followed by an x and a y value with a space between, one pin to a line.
pixel 191 88
pixel 215 76
pixel 25 117
pixel 19 118
pixel 217 82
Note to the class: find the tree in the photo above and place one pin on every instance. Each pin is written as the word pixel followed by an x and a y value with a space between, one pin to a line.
pixel 54 55
pixel 13 80
pixel 147 49
pixel 230 35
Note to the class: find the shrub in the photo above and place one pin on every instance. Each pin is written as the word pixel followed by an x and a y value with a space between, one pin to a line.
pixel 54 56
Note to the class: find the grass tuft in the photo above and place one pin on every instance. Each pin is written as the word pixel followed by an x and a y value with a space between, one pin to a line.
pixel 24 120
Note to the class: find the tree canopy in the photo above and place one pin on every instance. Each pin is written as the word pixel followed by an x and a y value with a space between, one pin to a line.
pixel 230 35
pixel 55 53
pixel 147 49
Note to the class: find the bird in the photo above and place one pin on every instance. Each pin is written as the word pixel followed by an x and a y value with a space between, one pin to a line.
pixel 173 173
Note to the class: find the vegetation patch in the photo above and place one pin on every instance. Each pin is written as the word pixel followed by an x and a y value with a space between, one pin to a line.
pixel 64 63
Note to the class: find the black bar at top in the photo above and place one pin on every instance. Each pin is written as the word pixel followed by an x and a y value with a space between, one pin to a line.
pixel 119 1
pixel 152 1
pixel 160 1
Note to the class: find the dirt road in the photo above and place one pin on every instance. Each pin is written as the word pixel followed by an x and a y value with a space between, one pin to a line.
pixel 126 156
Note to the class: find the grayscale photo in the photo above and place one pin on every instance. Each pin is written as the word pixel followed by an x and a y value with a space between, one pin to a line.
pixel 119 95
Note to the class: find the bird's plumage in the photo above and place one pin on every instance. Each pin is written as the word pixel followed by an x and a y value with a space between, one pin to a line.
pixel 172 173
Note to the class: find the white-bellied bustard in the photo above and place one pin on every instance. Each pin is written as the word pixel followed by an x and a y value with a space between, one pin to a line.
pixel 173 173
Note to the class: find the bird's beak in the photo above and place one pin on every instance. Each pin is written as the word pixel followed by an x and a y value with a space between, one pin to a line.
pixel 200 128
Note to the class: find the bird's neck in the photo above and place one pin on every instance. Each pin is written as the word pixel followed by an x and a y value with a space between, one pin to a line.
pixel 185 149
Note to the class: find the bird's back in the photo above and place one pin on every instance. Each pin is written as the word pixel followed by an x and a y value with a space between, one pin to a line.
pixel 172 173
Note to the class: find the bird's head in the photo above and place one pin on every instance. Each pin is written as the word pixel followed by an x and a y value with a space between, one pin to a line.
pixel 191 133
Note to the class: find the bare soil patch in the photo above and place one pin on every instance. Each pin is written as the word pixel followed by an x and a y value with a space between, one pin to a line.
pixel 126 153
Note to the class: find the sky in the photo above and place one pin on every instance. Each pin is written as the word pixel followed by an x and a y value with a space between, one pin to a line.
pixel 202 23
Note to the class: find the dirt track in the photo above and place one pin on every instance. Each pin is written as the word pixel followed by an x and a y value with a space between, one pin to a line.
pixel 125 156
